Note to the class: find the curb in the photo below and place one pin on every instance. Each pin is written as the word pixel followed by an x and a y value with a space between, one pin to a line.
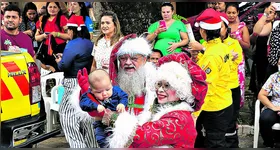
pixel 245 130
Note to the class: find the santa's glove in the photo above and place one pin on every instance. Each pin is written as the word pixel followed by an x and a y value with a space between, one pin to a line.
pixel 82 77
pixel 109 117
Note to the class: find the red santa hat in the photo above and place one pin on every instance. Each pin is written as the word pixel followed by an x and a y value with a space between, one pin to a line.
pixel 224 17
pixel 209 19
pixel 198 85
pixel 76 21
pixel 130 44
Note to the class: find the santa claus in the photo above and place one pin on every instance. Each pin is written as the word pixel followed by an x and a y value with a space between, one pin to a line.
pixel 128 69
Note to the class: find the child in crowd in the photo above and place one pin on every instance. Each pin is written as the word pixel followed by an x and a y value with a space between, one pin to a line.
pixel 102 95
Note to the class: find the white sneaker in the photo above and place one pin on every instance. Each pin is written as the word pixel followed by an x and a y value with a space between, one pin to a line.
pixel 276 126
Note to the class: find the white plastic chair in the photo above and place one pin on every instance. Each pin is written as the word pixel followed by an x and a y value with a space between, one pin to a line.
pixel 44 72
pixel 58 76
pixel 276 126
pixel 53 105
pixel 49 104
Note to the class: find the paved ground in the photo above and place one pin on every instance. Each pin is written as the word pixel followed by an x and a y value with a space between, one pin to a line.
pixel 246 141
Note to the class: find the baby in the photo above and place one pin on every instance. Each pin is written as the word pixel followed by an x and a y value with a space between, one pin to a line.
pixel 102 95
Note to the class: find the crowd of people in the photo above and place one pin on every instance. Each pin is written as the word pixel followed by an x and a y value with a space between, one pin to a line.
pixel 135 95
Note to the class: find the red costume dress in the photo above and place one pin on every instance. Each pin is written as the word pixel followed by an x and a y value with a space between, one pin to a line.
pixel 170 126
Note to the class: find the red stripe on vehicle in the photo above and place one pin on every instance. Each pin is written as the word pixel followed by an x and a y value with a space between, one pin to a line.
pixel 5 93
pixel 21 80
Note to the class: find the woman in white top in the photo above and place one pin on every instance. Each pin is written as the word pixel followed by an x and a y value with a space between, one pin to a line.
pixel 109 36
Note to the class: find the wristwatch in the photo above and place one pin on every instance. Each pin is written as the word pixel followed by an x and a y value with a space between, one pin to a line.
pixel 265 14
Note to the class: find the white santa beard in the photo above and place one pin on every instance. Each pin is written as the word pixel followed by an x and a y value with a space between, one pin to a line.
pixel 132 83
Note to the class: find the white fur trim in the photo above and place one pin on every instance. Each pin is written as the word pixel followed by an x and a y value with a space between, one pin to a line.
pixel 179 79
pixel 74 25
pixel 208 26
pixel 124 130
pixel 75 102
pixel 135 46
pixel 169 108
pixel 224 19
pixel 150 72
pixel 196 24
pixel 144 117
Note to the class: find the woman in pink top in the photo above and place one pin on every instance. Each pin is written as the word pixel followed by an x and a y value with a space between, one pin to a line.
pixel 240 32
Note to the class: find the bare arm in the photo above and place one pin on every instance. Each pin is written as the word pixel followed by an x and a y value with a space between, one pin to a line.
pixel 152 36
pixel 262 27
pixel 185 39
pixel 63 36
pixel 93 65
pixel 265 101
pixel 245 42
pixel 40 37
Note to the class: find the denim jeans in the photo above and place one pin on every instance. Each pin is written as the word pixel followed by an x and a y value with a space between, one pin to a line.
pixel 100 135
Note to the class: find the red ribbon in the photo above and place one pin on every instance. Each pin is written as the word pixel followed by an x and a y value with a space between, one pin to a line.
pixel 50 50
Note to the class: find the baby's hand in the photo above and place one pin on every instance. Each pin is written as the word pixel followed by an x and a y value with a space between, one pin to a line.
pixel 120 108
pixel 100 108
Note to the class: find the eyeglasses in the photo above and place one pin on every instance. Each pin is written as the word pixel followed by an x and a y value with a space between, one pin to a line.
pixel 125 58
pixel 165 85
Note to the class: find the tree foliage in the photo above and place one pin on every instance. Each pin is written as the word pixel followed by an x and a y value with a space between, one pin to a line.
pixel 134 17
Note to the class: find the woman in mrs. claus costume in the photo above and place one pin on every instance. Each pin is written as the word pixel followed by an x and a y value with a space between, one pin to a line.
pixel 168 122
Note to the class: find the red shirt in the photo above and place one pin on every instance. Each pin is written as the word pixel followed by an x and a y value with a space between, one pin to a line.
pixel 52 27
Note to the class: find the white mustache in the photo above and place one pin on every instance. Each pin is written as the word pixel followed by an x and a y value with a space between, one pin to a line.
pixel 132 66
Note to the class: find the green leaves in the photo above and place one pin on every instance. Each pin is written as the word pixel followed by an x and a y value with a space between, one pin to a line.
pixel 180 18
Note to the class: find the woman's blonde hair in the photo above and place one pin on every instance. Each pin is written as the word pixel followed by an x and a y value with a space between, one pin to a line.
pixel 117 35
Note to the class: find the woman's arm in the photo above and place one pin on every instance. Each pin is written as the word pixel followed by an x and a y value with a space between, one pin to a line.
pixel 266 89
pixel 40 37
pixel 262 27
pixel 265 101
pixel 151 36
pixel 245 42
pixel 183 42
pixel 48 67
pixel 93 65
pixel 28 32
pixel 61 35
